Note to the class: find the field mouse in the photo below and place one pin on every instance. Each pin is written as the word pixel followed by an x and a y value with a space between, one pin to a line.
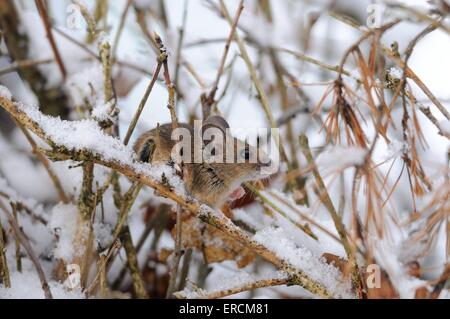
pixel 210 181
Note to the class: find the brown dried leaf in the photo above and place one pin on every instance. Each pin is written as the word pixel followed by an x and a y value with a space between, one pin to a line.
pixel 215 245
pixel 338 262
pixel 386 289
pixel 164 254
pixel 218 247
pixel 421 293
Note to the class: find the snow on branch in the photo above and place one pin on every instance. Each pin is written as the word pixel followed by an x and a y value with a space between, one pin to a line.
pixel 312 264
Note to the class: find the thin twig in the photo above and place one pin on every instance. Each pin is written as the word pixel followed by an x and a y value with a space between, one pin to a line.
pixel 261 93
pixel 181 33
pixel 177 255
pixel 185 268
pixel 18 65
pixel 126 204
pixel 48 28
pixel 325 197
pixel 27 209
pixel 153 221
pixel 190 69
pixel 90 21
pixel 105 57
pixel 168 81
pixel 409 73
pixel 55 179
pixel 278 210
pixel 304 57
pixel 212 94
pixel 422 16
pixel 141 106
pixel 305 217
pixel 179 210
pixel 121 25
pixel 138 281
pixel 17 242
pixel 110 253
pixel 263 283
pixel 4 270
pixel 96 56
pixel 26 244
pixel 427 112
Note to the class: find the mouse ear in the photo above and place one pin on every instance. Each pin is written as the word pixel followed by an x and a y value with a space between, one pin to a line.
pixel 215 121
pixel 214 137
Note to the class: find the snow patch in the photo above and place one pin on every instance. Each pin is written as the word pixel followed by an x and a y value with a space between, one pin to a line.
pixel 305 260
pixel 26 285
pixel 445 127
pixel 4 92
pixel 339 158
pixel 63 223
pixel 396 73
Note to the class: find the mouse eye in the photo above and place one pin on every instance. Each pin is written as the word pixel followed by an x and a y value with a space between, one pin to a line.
pixel 245 154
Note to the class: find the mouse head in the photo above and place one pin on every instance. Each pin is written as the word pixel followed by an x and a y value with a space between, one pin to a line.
pixel 216 163
pixel 235 159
